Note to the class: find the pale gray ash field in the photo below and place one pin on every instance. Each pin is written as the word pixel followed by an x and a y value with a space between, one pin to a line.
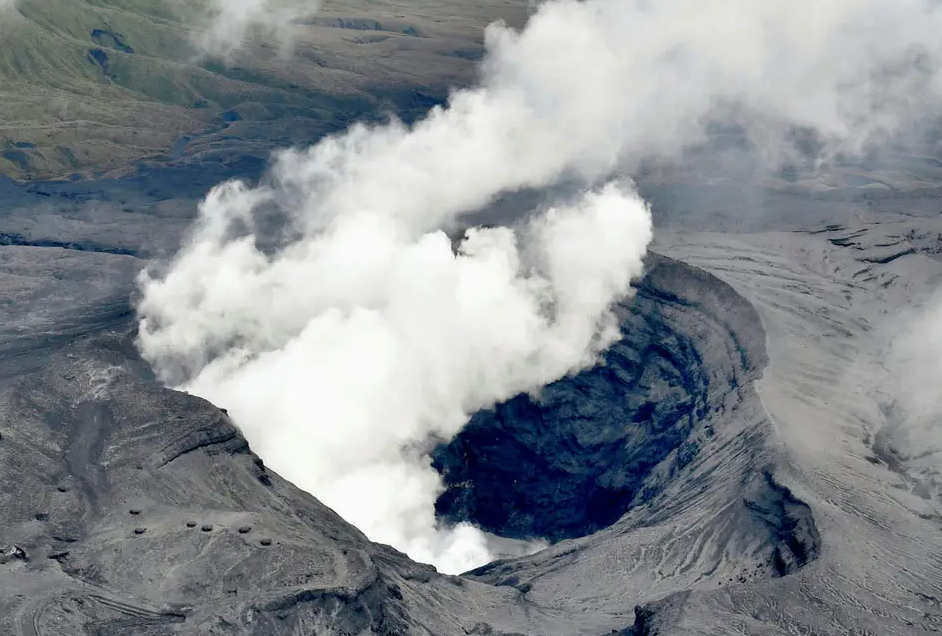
pixel 614 317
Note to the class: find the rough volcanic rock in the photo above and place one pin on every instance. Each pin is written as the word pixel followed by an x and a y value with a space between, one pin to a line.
pixel 573 459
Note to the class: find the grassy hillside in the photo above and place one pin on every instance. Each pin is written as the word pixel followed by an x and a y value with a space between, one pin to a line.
pixel 96 86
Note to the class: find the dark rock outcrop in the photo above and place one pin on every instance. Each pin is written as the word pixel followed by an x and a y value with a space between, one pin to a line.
pixel 789 522
pixel 107 37
pixel 100 59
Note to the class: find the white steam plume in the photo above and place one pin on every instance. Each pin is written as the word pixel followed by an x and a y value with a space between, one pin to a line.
pixel 230 23
pixel 913 366
pixel 353 345
pixel 341 345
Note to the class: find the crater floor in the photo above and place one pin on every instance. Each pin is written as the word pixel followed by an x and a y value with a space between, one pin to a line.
pixel 573 459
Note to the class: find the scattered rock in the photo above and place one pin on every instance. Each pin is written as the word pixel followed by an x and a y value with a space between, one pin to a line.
pixel 12 553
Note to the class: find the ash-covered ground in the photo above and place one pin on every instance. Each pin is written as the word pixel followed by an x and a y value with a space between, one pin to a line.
pixel 740 465
pixel 757 454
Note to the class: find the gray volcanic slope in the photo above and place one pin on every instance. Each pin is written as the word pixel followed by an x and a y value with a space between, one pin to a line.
pixel 142 510
pixel 743 463
pixel 759 494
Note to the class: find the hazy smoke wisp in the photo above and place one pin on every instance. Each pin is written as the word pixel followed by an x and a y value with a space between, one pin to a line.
pixel 343 344
pixel 913 364
pixel 230 23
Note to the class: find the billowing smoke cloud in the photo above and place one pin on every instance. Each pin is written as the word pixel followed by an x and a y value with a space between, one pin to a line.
pixel 346 340
pixel 910 389
pixel 230 23
pixel 340 354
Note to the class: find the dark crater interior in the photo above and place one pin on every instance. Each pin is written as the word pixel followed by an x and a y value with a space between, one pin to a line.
pixel 574 459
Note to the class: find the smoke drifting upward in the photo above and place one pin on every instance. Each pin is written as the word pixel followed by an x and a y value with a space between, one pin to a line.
pixel 344 342
pixel 231 22
pixel 342 353
pixel 913 364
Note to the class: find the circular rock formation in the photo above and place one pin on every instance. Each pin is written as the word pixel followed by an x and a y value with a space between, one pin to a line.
pixel 590 447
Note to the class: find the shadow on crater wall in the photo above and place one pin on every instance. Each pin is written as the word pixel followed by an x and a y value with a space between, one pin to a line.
pixel 575 459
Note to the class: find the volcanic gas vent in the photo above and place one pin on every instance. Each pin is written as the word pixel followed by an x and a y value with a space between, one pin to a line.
pixel 574 459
